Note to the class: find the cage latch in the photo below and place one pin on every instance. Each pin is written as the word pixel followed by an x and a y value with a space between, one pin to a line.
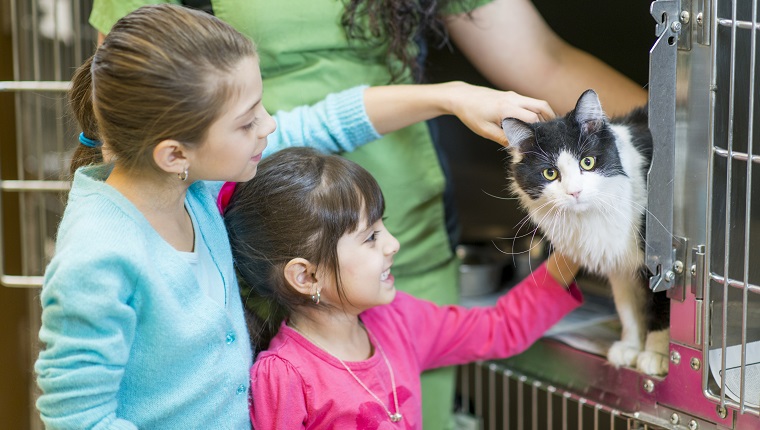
pixel 662 120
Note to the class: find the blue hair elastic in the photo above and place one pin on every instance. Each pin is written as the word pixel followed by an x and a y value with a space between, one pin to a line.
pixel 86 141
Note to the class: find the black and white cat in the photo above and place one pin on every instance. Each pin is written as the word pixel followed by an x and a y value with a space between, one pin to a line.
pixel 582 179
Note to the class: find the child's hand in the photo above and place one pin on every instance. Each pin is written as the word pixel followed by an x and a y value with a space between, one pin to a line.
pixel 482 109
pixel 562 269
pixel 392 107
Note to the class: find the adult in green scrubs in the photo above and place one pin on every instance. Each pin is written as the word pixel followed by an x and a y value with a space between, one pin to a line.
pixel 305 54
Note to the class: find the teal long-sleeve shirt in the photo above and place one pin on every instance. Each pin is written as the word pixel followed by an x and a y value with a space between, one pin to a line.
pixel 131 339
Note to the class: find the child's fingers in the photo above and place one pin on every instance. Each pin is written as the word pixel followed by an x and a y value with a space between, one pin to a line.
pixel 526 115
pixel 541 108
pixel 494 132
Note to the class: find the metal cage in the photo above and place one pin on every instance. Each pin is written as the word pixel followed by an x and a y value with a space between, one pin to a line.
pixel 703 247
pixel 703 226
pixel 731 320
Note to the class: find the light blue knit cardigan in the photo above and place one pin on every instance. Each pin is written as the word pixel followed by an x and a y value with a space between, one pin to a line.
pixel 132 341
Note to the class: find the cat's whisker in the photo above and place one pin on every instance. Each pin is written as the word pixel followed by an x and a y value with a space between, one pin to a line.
pixel 528 217
pixel 551 214
pixel 514 238
pixel 536 230
pixel 634 229
pixel 542 155
pixel 586 141
pixel 527 251
pixel 519 227
pixel 553 209
pixel 499 197
pixel 563 260
pixel 643 211
pixel 523 222
pixel 548 214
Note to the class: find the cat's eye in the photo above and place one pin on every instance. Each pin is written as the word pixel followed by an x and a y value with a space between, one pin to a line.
pixel 588 163
pixel 550 174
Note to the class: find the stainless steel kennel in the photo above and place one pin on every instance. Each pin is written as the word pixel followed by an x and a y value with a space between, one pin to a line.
pixel 703 227
pixel 703 245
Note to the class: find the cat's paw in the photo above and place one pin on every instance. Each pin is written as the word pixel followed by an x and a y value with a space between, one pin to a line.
pixel 654 360
pixel 623 353
pixel 653 363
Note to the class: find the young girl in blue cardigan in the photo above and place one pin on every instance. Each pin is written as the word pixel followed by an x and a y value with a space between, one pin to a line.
pixel 142 320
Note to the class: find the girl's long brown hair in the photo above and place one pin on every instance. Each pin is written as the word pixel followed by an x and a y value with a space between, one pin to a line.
pixel 300 204
pixel 161 73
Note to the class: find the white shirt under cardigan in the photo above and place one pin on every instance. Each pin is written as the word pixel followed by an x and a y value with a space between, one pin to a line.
pixel 203 266
pixel 132 340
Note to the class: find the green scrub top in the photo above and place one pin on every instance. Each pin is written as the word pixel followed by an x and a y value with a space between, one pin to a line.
pixel 304 56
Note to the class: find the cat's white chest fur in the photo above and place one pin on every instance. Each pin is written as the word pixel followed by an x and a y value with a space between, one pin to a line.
pixel 594 218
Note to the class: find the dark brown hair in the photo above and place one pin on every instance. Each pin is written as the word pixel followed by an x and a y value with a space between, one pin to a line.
pixel 80 103
pixel 300 204
pixel 161 73
pixel 398 26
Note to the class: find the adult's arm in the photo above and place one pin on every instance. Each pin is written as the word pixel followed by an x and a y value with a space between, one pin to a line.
pixel 513 47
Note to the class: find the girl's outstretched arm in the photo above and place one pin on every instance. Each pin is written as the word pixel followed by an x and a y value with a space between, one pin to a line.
pixel 449 335
pixel 481 109
pixel 345 120
pixel 562 268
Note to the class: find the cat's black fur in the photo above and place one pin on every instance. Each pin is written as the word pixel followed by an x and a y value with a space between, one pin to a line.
pixel 596 215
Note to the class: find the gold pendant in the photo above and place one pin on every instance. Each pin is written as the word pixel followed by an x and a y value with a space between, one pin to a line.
pixel 396 417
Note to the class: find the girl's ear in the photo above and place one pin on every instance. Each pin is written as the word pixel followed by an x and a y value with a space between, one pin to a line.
pixel 169 155
pixel 299 272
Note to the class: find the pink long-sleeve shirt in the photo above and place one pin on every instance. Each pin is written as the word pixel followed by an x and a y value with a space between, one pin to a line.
pixel 297 385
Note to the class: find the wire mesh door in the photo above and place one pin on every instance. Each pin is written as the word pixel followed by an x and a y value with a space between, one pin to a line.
pixel 732 320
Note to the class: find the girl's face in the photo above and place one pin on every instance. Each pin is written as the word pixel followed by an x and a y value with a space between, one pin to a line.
pixel 365 258
pixel 235 141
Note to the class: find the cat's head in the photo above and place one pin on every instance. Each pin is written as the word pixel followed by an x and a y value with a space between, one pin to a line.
pixel 566 163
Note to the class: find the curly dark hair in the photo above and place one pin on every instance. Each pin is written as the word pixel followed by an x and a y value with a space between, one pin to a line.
pixel 398 25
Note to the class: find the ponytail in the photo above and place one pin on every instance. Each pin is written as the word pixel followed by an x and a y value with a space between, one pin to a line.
pixel 80 103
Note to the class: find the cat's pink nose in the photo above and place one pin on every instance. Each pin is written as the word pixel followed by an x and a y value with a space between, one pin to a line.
pixel 575 194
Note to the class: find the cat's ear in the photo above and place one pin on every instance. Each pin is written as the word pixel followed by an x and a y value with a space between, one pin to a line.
pixel 516 131
pixel 588 112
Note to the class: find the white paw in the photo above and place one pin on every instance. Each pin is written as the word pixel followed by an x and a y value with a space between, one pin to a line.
pixel 655 358
pixel 623 353
pixel 652 363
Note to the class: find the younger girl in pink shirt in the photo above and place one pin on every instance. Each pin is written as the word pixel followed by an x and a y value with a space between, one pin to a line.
pixel 339 346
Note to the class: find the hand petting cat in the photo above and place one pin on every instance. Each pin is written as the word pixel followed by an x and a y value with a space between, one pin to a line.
pixel 479 108
pixel 489 107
